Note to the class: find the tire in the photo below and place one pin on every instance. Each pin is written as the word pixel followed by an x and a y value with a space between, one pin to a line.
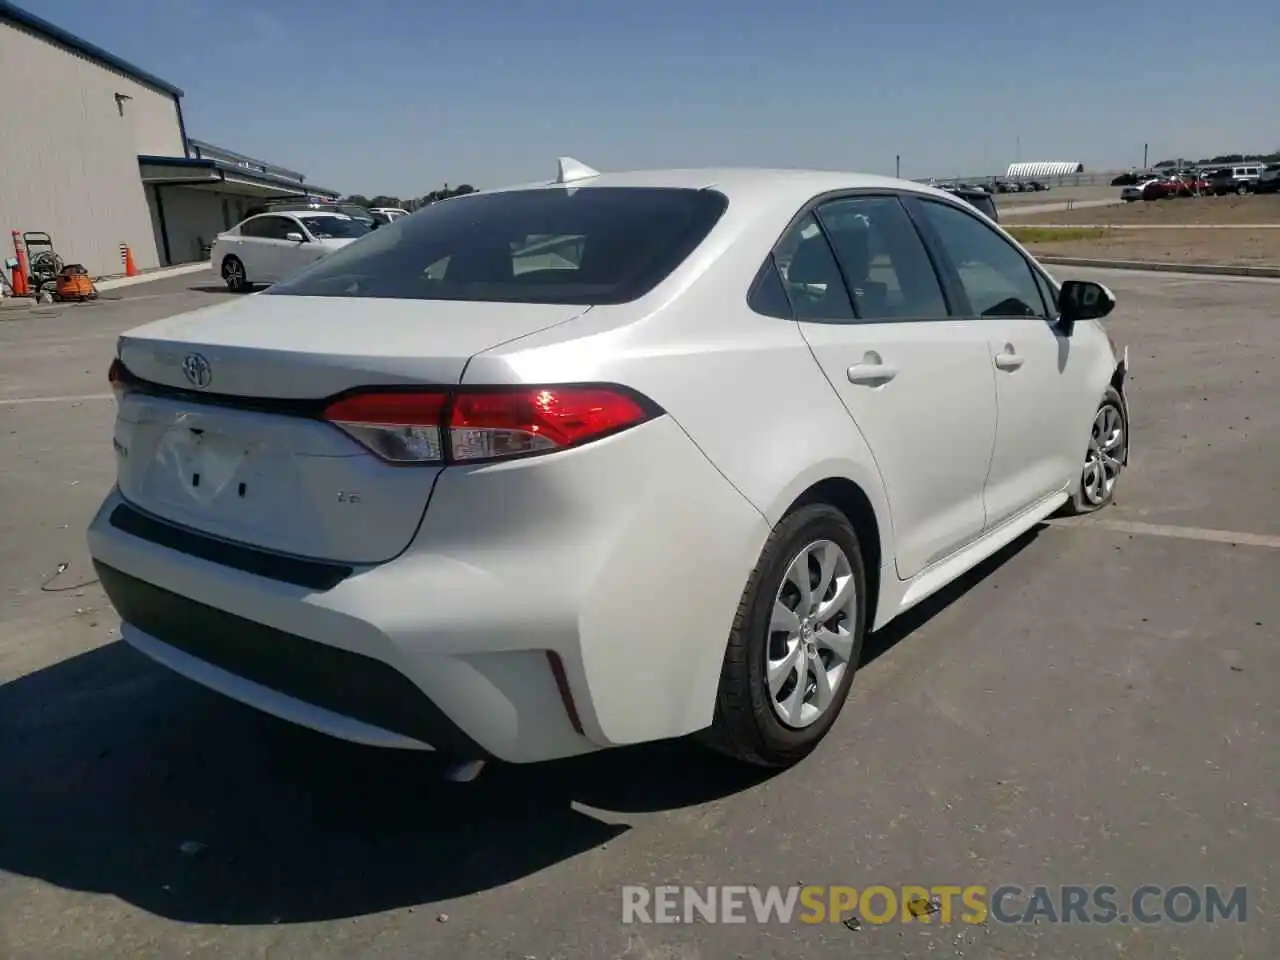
pixel 1090 497
pixel 748 724
pixel 1241 190
pixel 233 275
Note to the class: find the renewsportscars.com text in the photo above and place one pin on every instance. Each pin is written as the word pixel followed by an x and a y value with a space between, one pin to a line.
pixel 972 904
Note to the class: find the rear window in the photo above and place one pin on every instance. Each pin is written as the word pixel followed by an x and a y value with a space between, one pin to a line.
pixel 585 245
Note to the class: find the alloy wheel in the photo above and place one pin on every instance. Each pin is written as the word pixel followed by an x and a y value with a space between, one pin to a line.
pixel 811 633
pixel 1105 459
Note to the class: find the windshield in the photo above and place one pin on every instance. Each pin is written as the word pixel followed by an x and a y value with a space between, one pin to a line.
pixel 334 227
pixel 586 245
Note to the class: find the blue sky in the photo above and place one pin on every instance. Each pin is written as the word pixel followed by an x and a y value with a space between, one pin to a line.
pixel 400 97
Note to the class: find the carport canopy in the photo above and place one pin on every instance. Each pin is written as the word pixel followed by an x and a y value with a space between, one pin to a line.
pixel 221 176
pixel 193 199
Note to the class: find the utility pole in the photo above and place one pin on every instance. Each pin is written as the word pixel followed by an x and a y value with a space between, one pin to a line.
pixel 897 165
pixel 1144 155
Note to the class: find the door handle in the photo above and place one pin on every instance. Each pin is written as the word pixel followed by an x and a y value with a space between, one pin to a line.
pixel 871 373
pixel 1008 360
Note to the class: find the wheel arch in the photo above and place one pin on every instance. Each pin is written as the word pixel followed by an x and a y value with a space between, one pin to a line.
pixel 860 496
pixel 851 500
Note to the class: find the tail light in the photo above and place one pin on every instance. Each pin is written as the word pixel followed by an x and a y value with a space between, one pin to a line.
pixel 474 425
pixel 119 378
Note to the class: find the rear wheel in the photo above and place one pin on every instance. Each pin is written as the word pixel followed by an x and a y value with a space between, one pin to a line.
pixel 1105 458
pixel 795 642
pixel 233 275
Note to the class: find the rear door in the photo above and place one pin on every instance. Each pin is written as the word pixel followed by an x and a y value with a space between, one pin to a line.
pixel 917 382
pixel 285 257
pixel 262 237
pixel 1042 377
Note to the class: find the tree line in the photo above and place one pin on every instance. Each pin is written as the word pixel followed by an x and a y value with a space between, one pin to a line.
pixel 1225 159
pixel 410 203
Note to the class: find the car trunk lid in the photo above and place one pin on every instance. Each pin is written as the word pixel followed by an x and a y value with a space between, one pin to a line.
pixel 223 433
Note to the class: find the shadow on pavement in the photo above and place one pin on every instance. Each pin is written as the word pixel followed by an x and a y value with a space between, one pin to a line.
pixel 111 764
pixel 121 778
pixel 882 641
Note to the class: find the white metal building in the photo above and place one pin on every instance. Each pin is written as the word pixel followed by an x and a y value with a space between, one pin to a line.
pixel 1024 171
pixel 94 152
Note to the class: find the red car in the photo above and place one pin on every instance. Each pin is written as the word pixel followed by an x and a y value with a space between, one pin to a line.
pixel 1159 188
pixel 1189 185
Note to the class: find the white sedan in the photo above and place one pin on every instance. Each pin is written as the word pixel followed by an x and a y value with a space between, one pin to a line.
pixel 271 247
pixel 611 459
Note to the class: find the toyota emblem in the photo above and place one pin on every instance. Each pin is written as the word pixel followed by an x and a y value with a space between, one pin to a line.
pixel 197 370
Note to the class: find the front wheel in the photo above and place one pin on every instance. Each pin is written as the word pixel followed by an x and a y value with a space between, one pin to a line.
pixel 795 642
pixel 1106 457
pixel 233 275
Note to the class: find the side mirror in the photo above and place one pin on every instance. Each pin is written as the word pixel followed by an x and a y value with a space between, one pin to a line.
pixel 295 236
pixel 1083 300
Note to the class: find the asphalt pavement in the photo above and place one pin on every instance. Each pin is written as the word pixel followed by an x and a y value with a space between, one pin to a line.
pixel 1096 705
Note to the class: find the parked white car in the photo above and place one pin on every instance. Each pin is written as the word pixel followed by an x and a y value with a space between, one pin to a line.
pixel 271 247
pixel 391 213
pixel 616 458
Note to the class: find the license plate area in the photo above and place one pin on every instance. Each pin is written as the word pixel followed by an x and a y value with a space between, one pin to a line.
pixel 286 484
pixel 208 464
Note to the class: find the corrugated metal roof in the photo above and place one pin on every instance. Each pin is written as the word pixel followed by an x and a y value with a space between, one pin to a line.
pixel 16 14
pixel 1043 169
pixel 224 168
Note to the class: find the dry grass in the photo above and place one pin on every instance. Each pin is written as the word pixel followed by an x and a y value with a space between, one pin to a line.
pixel 1190 211
pixel 1030 235
pixel 1056 195
pixel 1222 247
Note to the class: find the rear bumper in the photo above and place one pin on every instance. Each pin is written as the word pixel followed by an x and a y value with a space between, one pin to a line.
pixel 625 559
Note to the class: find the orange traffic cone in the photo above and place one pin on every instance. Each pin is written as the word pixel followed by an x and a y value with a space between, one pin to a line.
pixel 19 275
pixel 130 268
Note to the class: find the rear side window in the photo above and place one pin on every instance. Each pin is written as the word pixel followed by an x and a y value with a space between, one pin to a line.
pixel 811 275
pixel 586 245
pixel 256 228
pixel 277 228
pixel 884 259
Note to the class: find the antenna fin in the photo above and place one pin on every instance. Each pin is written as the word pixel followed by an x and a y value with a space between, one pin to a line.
pixel 571 170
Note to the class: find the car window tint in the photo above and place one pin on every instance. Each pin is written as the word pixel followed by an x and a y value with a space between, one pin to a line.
pixel 811 275
pixel 884 259
pixel 587 245
pixel 767 295
pixel 275 228
pixel 254 228
pixel 995 275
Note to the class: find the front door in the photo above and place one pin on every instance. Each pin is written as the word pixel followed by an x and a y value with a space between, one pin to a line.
pixel 1041 375
pixel 915 380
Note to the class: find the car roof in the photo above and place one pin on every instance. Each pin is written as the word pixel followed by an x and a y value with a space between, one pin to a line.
pixel 299 213
pixel 767 187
